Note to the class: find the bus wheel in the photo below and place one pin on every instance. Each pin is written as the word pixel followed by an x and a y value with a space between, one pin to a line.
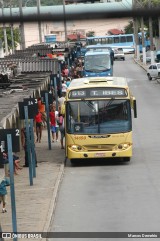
pixel 149 77
pixel 126 159
pixel 73 161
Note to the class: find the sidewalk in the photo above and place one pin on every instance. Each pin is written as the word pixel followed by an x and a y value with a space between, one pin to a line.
pixel 35 204
pixel 144 66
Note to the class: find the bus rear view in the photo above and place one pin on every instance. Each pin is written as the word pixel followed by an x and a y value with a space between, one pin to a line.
pixel 98 63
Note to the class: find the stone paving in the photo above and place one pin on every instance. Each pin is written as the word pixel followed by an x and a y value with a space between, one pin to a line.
pixel 35 204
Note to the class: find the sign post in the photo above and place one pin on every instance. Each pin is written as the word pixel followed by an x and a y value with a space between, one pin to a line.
pixel 55 89
pixel 48 125
pixel 33 148
pixel 60 79
pixel 27 110
pixel 9 139
pixel 33 108
pixel 48 99
pixel 28 145
pixel 1 238
pixel 11 168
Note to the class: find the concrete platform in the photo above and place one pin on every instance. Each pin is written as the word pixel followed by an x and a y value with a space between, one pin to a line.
pixel 35 204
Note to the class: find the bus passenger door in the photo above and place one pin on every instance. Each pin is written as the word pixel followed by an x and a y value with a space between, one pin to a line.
pixel 134 106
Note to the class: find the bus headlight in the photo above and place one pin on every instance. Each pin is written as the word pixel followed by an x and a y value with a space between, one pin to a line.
pixel 76 147
pixel 122 146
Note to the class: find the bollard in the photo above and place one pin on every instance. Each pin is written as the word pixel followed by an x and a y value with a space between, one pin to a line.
pixel 1 239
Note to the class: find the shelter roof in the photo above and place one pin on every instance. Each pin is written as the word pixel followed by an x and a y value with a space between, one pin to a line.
pixel 75 36
pixel 115 31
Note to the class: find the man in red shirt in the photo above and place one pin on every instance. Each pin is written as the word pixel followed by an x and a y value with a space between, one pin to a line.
pixel 53 115
pixel 39 126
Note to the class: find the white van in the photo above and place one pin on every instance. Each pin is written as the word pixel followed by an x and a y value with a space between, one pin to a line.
pixel 119 54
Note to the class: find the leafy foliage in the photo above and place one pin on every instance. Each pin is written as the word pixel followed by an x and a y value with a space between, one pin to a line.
pixel 90 34
pixel 32 3
pixel 9 38
pixel 152 3
pixel 129 28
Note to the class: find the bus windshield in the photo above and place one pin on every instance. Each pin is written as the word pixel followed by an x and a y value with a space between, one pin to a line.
pixel 97 63
pixel 98 116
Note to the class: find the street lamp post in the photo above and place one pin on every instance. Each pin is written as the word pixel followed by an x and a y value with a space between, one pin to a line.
pixel 23 46
pixel 39 22
pixel 4 30
pixel 12 35
pixel 65 25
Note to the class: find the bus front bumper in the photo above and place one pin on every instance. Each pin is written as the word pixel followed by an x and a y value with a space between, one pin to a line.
pixel 71 154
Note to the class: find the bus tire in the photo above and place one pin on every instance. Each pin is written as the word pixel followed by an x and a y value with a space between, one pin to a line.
pixel 73 161
pixel 126 159
pixel 149 77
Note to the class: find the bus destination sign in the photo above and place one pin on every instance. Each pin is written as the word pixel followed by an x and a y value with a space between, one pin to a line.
pixel 97 93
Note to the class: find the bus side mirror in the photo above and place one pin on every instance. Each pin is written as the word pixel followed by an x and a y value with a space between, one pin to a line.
pixel 135 108
pixel 112 61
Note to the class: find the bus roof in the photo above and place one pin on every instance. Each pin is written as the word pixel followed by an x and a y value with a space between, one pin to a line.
pixel 110 36
pixel 98 46
pixel 97 52
pixel 109 81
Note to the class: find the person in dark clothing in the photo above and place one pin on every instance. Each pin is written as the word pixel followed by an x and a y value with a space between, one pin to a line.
pixel 24 144
pixel 16 161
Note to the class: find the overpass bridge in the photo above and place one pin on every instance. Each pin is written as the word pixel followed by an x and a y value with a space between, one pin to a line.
pixel 72 11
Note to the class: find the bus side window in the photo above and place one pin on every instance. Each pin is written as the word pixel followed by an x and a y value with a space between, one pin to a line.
pixel 123 39
pixel 116 40
pixel 129 39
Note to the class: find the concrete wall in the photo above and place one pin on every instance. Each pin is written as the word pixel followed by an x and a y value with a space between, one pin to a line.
pixel 100 27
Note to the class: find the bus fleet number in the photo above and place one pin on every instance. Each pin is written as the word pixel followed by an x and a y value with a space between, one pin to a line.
pixel 80 137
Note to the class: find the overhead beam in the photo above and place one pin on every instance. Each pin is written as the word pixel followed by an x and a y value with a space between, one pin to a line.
pixel 57 14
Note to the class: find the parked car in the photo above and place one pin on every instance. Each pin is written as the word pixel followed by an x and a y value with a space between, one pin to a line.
pixel 153 71
pixel 119 54
pixel 158 56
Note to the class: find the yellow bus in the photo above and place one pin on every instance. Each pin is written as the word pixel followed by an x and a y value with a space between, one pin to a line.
pixel 98 118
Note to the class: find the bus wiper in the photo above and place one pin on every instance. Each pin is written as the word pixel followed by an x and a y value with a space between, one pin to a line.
pixel 100 66
pixel 110 102
pixel 92 70
pixel 89 104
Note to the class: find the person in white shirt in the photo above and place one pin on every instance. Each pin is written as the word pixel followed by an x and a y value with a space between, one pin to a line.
pixel 64 86
pixel 57 125
pixel 62 129
pixel 62 99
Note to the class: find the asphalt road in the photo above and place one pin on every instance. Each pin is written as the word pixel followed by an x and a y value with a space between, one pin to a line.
pixel 106 196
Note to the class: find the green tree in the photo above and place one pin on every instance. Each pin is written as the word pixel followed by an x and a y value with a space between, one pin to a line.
pixel 51 2
pixel 9 38
pixel 129 28
pixel 90 34
pixel 31 3
pixel 151 3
